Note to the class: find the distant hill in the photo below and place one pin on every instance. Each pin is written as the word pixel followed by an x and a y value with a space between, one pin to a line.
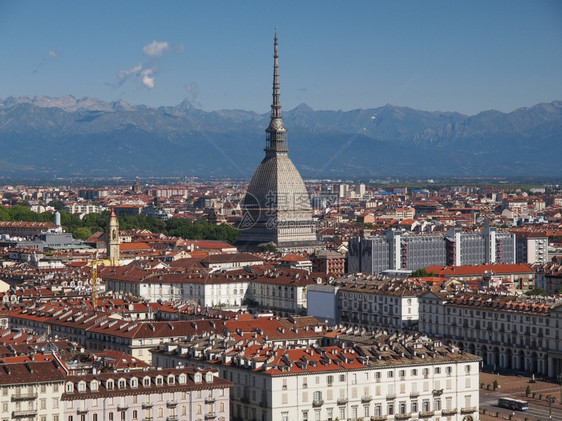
pixel 88 137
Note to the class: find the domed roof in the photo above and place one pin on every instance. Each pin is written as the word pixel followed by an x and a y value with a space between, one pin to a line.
pixel 277 206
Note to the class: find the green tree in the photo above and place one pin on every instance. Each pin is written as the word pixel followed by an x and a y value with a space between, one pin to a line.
pixel 57 204
pixel 82 233
pixel 536 291
pixel 422 273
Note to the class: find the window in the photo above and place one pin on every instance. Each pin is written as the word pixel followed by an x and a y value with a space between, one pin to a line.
pixel 390 409
pixel 402 373
pixel 304 415
pixel 330 380
pixel 390 374
pixel 342 377
pixel 111 416
pixel 402 407
pixel 135 414
pixel 437 404
pixel 69 387
pixel 414 372
pixel 414 406
pixel 467 369
pixel 437 370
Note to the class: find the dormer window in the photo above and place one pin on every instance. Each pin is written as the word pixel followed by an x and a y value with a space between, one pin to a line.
pixel 94 386
pixel 159 381
pixel 134 382
pixel 122 383
pixel 69 387
pixel 209 377
pixel 146 382
pixel 182 379
pixel 197 378
pixel 109 384
pixel 82 387
pixel 171 379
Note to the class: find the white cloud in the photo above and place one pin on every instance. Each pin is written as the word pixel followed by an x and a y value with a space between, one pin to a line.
pixel 123 75
pixel 52 54
pixel 147 78
pixel 155 48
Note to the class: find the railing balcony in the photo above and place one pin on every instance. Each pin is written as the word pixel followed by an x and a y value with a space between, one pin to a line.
pixel 210 416
pixel 263 404
pixel 82 411
pixel 468 410
pixel 245 399
pixel 171 404
pixel 445 412
pixel 342 401
pixel 24 413
pixel 147 419
pixel 391 396
pixel 426 414
pixel 378 418
pixel 210 399
pixel 403 416
pixel 24 396
pixel 365 399
pixel 414 394
pixel 317 402
pixel 146 405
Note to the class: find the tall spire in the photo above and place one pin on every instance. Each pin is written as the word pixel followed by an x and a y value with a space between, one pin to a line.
pixel 276 133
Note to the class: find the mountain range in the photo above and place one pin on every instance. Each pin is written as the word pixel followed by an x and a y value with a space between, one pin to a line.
pixel 66 136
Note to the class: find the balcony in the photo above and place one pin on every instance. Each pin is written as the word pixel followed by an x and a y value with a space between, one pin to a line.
pixel 378 418
pixel 468 410
pixel 263 404
pixel 342 401
pixel 366 399
pixel 147 419
pixel 82 411
pixel 210 399
pixel 146 405
pixel 24 396
pixel 403 416
pixel 24 413
pixel 414 394
pixel 447 412
pixel 245 399
pixel 426 414
pixel 210 416
pixel 122 407
pixel 317 402
pixel 172 418
pixel 390 396
pixel 171 404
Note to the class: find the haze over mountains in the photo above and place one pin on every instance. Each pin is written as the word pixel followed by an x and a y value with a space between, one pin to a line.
pixel 89 137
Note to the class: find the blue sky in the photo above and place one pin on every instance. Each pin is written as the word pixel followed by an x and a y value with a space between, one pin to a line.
pixel 431 55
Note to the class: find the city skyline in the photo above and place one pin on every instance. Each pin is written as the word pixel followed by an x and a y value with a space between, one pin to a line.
pixel 430 56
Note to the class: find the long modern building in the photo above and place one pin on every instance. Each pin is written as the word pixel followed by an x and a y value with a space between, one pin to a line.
pixel 400 250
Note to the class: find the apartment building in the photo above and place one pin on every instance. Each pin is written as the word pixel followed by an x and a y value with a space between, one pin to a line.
pixel 172 394
pixel 508 331
pixel 365 301
pixel 394 377
pixel 31 390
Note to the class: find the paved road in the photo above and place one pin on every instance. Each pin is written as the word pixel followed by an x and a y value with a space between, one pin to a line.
pixel 489 400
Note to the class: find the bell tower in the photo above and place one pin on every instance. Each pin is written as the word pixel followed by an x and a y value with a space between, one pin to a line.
pixel 113 239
